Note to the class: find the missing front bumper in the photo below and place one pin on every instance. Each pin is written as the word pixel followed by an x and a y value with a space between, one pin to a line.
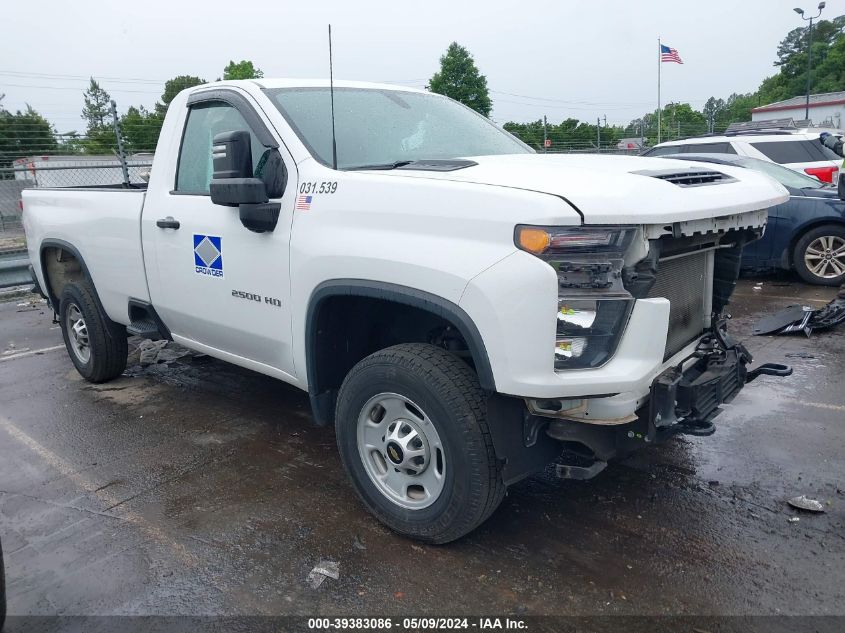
pixel 685 400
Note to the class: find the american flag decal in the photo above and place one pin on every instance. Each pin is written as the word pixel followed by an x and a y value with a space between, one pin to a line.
pixel 669 54
pixel 303 203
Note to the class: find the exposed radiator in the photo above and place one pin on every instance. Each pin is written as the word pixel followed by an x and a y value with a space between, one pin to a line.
pixel 687 282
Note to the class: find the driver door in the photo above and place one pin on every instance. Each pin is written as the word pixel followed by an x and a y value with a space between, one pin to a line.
pixel 220 287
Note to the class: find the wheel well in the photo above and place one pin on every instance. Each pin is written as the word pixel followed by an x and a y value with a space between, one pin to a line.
pixel 61 266
pixel 345 328
pixel 804 230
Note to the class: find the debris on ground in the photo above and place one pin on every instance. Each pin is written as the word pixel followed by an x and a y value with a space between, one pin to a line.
pixel 799 318
pixel 802 502
pixel 793 519
pixel 357 544
pixel 324 569
pixel 154 352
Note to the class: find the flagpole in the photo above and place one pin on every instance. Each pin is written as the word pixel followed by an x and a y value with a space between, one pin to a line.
pixel 658 89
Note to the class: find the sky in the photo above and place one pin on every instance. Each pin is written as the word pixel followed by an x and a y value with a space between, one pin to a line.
pixel 562 58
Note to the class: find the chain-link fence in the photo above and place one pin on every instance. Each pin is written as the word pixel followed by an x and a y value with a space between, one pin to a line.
pixel 34 155
pixel 63 171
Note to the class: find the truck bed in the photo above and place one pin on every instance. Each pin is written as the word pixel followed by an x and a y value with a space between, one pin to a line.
pixel 103 224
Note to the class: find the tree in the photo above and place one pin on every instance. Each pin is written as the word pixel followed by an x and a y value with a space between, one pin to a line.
pixel 569 134
pixel 791 80
pixel 70 143
pixel 831 72
pixel 712 110
pixel 174 86
pixel 23 134
pixel 97 105
pixel 140 129
pixel 244 69
pixel 96 110
pixel 459 79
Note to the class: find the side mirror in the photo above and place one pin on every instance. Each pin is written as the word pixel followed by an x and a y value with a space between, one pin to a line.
pixel 232 183
pixel 272 171
pixel 231 153
pixel 235 185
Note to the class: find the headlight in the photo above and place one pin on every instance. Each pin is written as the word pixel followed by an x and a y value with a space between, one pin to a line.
pixel 548 241
pixel 593 305
pixel 588 331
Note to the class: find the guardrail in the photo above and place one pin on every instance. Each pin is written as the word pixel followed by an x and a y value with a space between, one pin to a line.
pixel 14 268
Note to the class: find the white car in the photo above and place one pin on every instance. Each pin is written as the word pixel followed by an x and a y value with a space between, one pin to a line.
pixel 799 150
pixel 460 308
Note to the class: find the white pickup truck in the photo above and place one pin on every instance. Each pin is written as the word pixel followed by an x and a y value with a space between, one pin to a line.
pixel 463 310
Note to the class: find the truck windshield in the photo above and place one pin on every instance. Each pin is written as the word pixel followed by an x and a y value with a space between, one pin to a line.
pixel 377 127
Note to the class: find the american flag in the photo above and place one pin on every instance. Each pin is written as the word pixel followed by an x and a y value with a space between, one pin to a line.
pixel 668 54
pixel 303 203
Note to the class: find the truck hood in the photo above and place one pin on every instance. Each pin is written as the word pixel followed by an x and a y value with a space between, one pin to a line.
pixel 622 189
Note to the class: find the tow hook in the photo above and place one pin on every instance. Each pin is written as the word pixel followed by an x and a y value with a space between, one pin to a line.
pixel 768 369
pixel 686 399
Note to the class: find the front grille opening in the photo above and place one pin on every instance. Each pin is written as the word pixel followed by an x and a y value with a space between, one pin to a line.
pixel 684 281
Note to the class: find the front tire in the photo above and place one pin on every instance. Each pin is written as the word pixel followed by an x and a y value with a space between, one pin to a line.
pixel 819 255
pixel 96 345
pixel 413 436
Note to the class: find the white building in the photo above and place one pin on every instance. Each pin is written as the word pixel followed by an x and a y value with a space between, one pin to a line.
pixel 826 110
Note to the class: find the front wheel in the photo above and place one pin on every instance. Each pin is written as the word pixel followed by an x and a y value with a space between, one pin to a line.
pixel 820 255
pixel 412 433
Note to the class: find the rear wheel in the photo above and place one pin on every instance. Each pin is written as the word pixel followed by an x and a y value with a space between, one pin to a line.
pixel 412 433
pixel 96 345
pixel 819 255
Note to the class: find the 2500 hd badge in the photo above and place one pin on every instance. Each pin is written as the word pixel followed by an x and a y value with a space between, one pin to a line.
pixel 251 296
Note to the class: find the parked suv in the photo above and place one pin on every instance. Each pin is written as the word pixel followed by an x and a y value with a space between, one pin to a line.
pixel 806 233
pixel 798 150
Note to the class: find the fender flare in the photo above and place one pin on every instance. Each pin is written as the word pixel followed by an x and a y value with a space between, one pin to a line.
pixel 399 294
pixel 56 243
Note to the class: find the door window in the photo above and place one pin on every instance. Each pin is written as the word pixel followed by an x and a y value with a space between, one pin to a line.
pixel 709 148
pixel 804 151
pixel 206 120
pixel 666 150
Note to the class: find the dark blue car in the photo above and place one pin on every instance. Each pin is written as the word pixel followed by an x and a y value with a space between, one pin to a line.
pixel 805 234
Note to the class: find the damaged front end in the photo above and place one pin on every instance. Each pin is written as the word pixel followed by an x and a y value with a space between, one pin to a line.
pixel 696 268
pixel 686 397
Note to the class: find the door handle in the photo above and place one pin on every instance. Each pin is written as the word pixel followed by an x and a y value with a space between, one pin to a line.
pixel 167 223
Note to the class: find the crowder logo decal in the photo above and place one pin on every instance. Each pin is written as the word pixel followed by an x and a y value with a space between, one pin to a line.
pixel 208 255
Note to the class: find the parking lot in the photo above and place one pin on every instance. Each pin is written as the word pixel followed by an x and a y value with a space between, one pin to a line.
pixel 195 487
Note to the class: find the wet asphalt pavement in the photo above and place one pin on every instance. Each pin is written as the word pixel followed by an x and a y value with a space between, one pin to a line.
pixel 196 487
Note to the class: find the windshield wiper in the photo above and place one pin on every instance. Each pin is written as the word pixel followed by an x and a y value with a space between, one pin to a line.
pixel 385 166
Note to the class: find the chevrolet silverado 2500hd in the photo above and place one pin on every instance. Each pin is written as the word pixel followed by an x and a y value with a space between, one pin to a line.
pixel 463 310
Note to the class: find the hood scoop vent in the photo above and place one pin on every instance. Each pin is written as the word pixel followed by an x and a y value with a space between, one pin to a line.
pixel 689 177
pixel 438 164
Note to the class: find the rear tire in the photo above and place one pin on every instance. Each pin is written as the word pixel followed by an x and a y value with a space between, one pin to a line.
pixel 96 345
pixel 819 255
pixel 413 436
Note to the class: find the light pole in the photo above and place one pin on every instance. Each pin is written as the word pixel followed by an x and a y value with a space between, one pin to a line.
pixel 809 53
